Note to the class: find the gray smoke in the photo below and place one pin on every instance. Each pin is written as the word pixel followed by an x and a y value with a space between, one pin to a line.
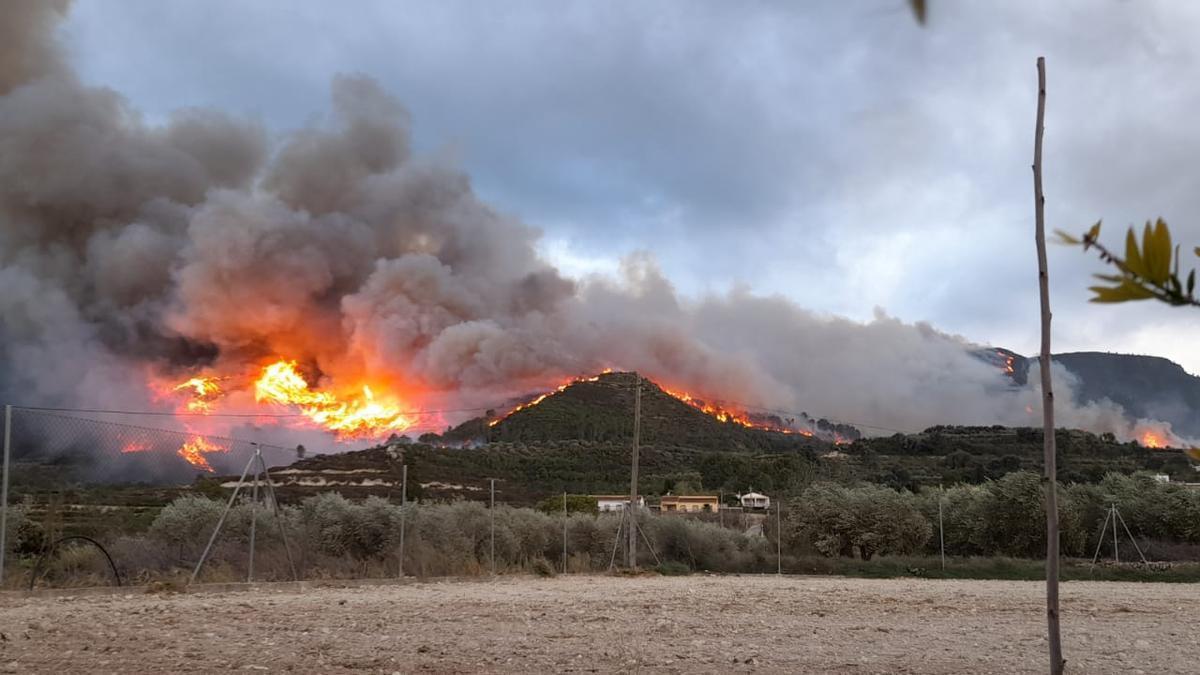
pixel 132 253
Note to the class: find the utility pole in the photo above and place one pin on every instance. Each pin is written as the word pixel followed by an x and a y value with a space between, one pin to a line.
pixel 631 560
pixel 564 532
pixel 4 489
pixel 403 509
pixel 492 511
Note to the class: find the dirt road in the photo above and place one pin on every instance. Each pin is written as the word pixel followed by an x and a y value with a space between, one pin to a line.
pixel 605 624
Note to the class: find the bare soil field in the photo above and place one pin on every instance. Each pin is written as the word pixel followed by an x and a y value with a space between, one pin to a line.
pixel 609 624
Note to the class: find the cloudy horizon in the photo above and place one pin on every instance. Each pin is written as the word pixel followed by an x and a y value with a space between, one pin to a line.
pixel 840 156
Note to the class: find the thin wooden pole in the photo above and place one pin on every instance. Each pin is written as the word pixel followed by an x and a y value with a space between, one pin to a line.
pixel 1050 479
pixel 564 533
pixel 631 560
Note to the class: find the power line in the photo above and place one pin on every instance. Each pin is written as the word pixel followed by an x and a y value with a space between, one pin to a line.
pixel 747 407
pixel 161 413
pixel 173 432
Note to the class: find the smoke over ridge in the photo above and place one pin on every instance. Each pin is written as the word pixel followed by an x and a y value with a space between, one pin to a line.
pixel 207 243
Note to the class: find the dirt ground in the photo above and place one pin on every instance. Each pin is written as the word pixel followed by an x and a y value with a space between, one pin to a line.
pixel 609 624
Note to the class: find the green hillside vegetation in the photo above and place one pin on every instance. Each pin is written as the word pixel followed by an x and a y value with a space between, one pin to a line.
pixel 948 455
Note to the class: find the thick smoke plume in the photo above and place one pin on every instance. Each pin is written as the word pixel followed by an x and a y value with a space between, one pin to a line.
pixel 133 253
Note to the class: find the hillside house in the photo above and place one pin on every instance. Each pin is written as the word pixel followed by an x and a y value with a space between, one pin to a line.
pixel 689 503
pixel 616 502
pixel 755 501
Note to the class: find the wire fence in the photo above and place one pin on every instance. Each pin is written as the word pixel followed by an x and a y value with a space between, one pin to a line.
pixel 96 476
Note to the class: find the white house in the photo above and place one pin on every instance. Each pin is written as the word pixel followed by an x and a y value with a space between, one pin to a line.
pixel 755 501
pixel 616 502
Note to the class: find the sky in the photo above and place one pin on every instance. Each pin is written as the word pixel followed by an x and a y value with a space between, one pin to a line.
pixel 833 153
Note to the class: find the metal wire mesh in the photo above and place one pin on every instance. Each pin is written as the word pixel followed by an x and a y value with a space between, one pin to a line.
pixel 79 473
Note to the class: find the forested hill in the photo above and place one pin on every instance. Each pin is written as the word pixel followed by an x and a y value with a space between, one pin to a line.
pixel 527 471
pixel 1146 386
pixel 601 410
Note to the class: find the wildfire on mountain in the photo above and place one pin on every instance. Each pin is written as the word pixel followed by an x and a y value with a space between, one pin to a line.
pixel 739 417
pixel 543 397
pixel 722 413
pixel 361 411
pixel 356 414
pixel 1153 439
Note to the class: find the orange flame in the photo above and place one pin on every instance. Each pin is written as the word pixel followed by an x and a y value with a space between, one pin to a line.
pixel 732 417
pixel 358 416
pixel 203 390
pixel 1153 439
pixel 1008 362
pixel 543 397
pixel 194 450
pixel 135 446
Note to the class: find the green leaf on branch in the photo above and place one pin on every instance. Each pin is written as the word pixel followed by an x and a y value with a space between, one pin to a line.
pixel 1124 292
pixel 1149 270
pixel 1133 259
pixel 1064 238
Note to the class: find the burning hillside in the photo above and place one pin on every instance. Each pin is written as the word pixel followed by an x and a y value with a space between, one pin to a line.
pixel 600 408
pixel 329 281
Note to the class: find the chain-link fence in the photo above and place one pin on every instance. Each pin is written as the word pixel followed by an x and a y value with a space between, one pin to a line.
pixel 77 484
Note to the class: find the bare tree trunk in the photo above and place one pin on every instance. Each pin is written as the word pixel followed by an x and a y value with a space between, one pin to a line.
pixel 1050 480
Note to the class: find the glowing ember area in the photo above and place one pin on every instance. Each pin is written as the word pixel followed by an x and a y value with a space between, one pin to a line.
pixel 737 417
pixel 543 397
pixel 136 446
pixel 1153 439
pixel 716 411
pixel 1008 362
pixel 196 448
pixel 204 391
pixel 358 416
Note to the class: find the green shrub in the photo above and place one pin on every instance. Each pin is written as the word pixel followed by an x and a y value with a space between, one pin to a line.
pixel 543 568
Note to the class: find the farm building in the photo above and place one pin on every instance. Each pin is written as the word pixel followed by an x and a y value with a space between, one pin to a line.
pixel 615 502
pixel 755 501
pixel 689 503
